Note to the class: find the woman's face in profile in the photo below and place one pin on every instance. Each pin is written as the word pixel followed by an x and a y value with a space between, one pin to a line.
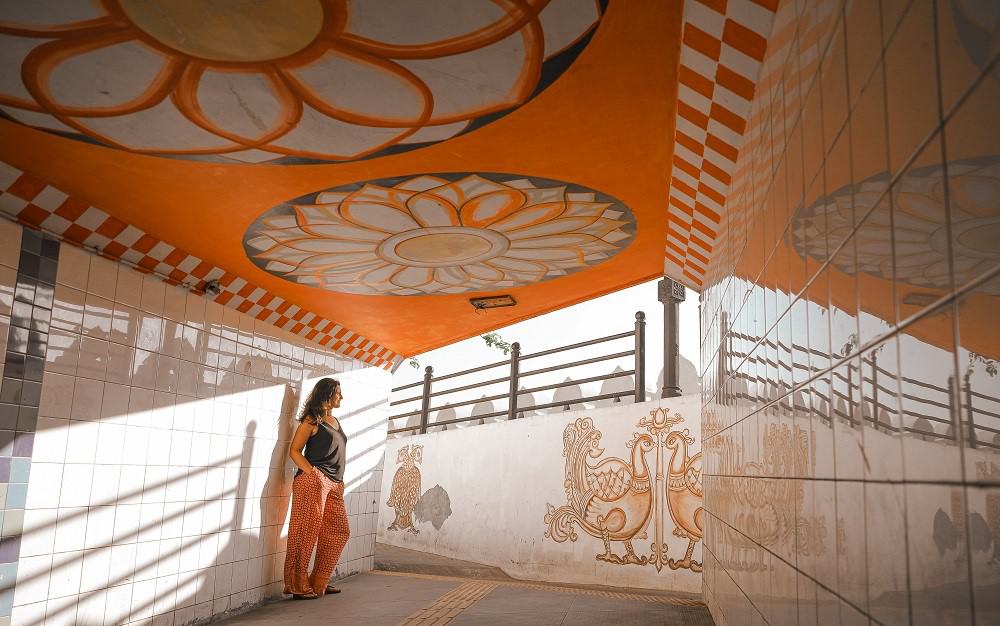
pixel 334 401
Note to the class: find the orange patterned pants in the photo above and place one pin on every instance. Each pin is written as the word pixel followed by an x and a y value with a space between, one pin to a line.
pixel 318 513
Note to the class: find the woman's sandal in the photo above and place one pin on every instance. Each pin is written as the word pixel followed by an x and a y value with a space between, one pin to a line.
pixel 304 596
pixel 332 589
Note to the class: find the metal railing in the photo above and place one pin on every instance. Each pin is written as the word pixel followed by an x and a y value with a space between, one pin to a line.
pixel 905 397
pixel 516 375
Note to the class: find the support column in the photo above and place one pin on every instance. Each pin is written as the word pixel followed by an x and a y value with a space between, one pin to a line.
pixel 671 294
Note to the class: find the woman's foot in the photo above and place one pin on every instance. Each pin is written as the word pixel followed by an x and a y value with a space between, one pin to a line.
pixel 304 596
pixel 332 589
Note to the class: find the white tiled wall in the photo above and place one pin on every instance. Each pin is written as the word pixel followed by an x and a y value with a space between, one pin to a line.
pixel 159 484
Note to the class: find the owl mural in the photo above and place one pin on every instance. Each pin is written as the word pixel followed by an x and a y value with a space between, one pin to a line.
pixel 405 488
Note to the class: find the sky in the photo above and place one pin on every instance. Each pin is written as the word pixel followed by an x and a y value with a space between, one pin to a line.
pixel 607 315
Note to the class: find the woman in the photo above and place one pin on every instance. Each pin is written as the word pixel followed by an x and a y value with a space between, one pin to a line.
pixel 319 518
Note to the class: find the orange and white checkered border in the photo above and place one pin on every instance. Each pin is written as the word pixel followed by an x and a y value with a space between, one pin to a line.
pixel 722 48
pixel 36 204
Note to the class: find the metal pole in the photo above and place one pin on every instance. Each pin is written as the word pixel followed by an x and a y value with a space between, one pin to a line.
pixel 515 358
pixel 640 356
pixel 671 294
pixel 425 402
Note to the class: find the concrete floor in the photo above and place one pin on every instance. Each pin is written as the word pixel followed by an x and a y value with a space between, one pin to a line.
pixel 421 588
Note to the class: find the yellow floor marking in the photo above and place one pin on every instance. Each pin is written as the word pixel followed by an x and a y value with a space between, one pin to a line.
pixel 600 593
pixel 448 606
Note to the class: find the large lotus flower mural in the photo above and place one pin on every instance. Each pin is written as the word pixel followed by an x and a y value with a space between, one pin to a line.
pixel 279 80
pixel 439 234
pixel 915 231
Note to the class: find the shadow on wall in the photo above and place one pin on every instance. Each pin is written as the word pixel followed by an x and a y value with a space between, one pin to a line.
pixel 226 548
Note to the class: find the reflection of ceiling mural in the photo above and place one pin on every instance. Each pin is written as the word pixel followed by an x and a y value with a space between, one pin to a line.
pixel 277 80
pixel 919 224
pixel 439 233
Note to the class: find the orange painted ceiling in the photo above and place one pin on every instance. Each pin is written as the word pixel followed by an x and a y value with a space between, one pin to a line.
pixel 602 125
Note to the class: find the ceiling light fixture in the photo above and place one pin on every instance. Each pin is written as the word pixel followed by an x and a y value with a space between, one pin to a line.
pixel 492 302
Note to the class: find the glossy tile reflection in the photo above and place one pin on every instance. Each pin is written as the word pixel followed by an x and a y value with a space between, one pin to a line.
pixel 851 384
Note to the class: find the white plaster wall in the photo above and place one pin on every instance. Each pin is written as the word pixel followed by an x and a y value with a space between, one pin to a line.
pixel 159 485
pixel 500 477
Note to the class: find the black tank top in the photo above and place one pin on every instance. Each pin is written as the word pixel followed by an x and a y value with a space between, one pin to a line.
pixel 326 451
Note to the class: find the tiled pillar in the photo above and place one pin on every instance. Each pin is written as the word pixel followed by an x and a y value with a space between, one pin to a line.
pixel 27 283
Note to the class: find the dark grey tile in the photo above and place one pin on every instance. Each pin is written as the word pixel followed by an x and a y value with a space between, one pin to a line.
pixel 8 416
pixel 20 314
pixel 50 248
pixel 31 393
pixel 14 365
pixel 28 264
pixel 27 419
pixel 36 343
pixel 31 241
pixel 10 391
pixel 9 549
pixel 17 339
pixel 23 444
pixel 47 269
pixel 33 368
pixel 44 295
pixel 4 472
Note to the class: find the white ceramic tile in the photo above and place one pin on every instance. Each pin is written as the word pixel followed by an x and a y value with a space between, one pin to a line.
pixel 119 364
pixel 172 338
pixel 150 334
pixel 118 604
pixel 76 483
pixel 91 608
pixel 93 360
pixel 97 315
pixel 70 529
pixel 32 579
pixel 83 438
pixel 87 397
pixel 166 373
pixel 104 489
pixel 128 289
pixel 42 482
pixel 74 267
pixel 164 600
pixel 102 278
pixel 131 483
pixel 140 406
pixel 164 407
pixel 144 369
pixel 50 440
pixel 195 311
pixel 136 444
pixel 174 303
pixel 143 596
pixel 125 324
pixel 147 552
pixel 67 308
pixel 173 525
pixel 110 443
pixel 57 395
pixel 63 352
pixel 153 290
pixel 38 532
pixel 114 406
pixel 28 614
pixel 100 526
pixel 96 569
pixel 64 579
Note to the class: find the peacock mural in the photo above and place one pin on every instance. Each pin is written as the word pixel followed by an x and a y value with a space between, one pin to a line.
pixel 618 500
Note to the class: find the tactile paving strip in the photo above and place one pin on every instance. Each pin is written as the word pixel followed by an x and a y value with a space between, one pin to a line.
pixel 600 593
pixel 448 606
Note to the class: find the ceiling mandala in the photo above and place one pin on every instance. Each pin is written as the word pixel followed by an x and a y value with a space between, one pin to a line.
pixel 281 81
pixel 439 234
pixel 917 232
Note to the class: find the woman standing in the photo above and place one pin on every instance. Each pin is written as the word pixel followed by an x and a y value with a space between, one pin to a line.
pixel 319 518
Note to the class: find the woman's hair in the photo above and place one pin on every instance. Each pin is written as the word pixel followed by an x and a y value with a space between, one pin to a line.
pixel 322 393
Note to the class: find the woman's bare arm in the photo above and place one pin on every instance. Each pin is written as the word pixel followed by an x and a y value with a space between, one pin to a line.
pixel 299 439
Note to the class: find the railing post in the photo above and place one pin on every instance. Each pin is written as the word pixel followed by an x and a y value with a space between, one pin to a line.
pixel 515 364
pixel 640 357
pixel 970 415
pixel 425 402
pixel 671 293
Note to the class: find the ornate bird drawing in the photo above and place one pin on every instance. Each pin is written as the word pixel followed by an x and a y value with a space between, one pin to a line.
pixel 684 496
pixel 406 488
pixel 611 499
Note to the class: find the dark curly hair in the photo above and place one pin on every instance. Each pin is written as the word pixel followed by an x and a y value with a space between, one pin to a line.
pixel 322 393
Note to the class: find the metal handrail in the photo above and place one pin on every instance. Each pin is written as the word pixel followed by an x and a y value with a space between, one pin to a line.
pixel 639 392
